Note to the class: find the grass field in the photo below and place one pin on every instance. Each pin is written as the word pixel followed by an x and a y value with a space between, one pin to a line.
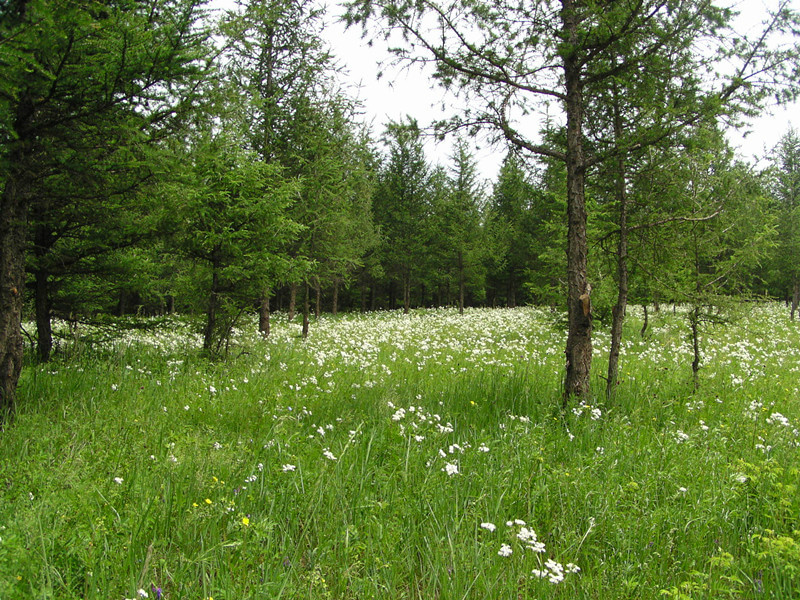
pixel 422 456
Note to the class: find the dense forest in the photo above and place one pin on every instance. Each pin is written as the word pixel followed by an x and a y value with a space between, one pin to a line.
pixel 156 156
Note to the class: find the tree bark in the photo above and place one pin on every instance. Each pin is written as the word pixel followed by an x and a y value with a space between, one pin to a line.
pixel 795 295
pixel 263 314
pixel 211 313
pixel 579 310
pixel 13 228
pixel 44 329
pixel 618 312
pixel 318 299
pixel 645 323
pixel 305 310
pixel 694 321
pixel 292 301
pixel 460 283
pixel 406 292
pixel 335 299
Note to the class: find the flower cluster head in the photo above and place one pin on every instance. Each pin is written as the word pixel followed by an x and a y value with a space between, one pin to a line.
pixel 528 537
pixel 554 571
pixel 778 418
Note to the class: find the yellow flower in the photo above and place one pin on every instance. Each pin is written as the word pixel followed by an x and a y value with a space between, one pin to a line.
pixel 208 501
pixel 245 521
pixel 195 504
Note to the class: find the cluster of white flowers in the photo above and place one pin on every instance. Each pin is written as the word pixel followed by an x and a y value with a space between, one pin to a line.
pixel 554 571
pixel 777 417
pixel 680 436
pixel 594 412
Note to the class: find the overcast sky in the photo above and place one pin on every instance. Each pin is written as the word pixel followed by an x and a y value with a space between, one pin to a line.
pixel 401 92
pixel 409 92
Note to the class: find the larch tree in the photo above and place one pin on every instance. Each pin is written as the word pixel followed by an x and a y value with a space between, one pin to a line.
pixel 70 67
pixel 786 190
pixel 275 58
pixel 402 204
pixel 510 59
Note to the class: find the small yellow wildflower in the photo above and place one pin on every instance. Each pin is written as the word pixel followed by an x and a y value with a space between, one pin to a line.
pixel 245 521
pixel 208 501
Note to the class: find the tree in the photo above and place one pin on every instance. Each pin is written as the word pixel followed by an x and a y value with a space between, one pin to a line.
pixel 460 215
pixel 233 221
pixel 75 67
pixel 511 58
pixel 401 205
pixel 715 230
pixel 276 61
pixel 786 190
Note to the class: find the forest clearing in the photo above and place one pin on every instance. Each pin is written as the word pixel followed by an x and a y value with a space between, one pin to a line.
pixel 426 455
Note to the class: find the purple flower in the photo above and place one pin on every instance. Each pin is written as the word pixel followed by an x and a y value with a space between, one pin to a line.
pixel 156 592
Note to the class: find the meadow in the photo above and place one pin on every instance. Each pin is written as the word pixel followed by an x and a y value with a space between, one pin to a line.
pixel 423 456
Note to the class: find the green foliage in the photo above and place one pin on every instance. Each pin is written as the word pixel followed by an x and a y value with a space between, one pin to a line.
pixel 324 468
pixel 232 220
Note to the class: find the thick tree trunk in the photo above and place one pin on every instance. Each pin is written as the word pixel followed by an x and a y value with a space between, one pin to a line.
pixel 618 312
pixel 263 313
pixel 44 330
pixel 579 310
pixel 795 295
pixel 292 301
pixel 305 310
pixel 14 206
pixel 13 221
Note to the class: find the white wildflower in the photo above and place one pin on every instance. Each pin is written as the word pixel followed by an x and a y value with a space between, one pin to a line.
pixel 505 550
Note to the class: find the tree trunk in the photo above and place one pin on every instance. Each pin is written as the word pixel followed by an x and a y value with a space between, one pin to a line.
pixel 44 329
pixel 618 312
pixel 645 323
pixel 13 220
pixel 406 293
pixel 292 301
pixel 13 229
pixel 305 310
pixel 795 295
pixel 694 321
pixel 579 310
pixel 263 313
pixel 211 313
pixel 460 283
pixel 318 299
pixel 335 299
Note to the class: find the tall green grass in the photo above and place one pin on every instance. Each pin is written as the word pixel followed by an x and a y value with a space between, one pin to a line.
pixel 370 460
